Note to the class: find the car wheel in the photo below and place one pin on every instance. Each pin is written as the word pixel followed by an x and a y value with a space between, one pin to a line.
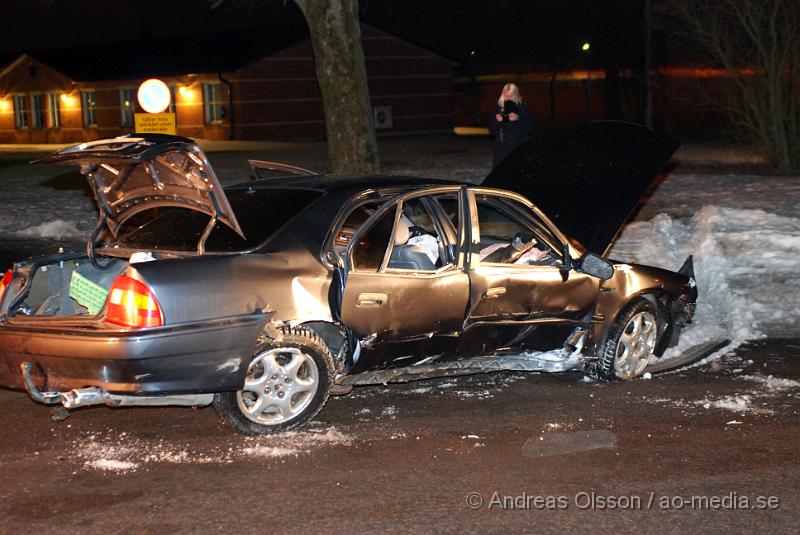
pixel 287 383
pixel 630 343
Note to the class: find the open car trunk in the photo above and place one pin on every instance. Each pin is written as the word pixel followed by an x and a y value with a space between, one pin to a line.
pixel 135 173
pixel 65 286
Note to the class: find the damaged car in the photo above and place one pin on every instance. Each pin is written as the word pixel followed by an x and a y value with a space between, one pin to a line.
pixel 266 297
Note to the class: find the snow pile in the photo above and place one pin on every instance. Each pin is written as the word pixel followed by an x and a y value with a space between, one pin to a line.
pixel 56 230
pixel 746 265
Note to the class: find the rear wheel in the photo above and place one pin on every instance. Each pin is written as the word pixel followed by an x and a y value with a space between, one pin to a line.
pixel 630 343
pixel 287 383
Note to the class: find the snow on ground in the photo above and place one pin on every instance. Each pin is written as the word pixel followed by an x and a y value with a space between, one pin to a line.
pixel 758 397
pixel 122 452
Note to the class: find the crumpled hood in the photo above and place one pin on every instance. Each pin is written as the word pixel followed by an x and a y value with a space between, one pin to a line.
pixel 136 172
pixel 589 180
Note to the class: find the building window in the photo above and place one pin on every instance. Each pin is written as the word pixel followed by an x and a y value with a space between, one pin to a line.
pixel 54 110
pixel 212 102
pixel 20 112
pixel 126 107
pixel 89 108
pixel 37 111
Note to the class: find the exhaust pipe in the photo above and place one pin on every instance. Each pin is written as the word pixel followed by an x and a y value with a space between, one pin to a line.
pixel 83 397
pixel 93 395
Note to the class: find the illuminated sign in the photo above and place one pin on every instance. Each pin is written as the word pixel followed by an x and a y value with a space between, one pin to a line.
pixel 155 123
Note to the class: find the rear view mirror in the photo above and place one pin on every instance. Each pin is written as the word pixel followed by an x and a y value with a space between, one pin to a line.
pixel 596 266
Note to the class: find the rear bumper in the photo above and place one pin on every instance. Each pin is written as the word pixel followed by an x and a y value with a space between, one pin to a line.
pixel 201 357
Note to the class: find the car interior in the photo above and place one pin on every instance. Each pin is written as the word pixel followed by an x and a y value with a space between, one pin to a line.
pixel 504 239
pixel 419 241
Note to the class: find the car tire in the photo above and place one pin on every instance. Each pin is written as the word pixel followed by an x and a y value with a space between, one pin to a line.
pixel 287 383
pixel 630 343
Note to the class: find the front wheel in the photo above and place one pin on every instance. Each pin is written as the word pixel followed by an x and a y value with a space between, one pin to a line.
pixel 287 383
pixel 630 343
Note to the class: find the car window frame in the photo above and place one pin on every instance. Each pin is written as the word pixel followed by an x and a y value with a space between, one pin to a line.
pixel 395 202
pixel 438 224
pixel 527 220
pixel 328 255
pixel 116 248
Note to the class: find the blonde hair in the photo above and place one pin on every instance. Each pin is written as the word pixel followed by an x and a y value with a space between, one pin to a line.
pixel 516 96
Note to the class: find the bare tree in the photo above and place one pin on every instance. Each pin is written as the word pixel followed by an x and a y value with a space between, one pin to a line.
pixel 342 76
pixel 757 43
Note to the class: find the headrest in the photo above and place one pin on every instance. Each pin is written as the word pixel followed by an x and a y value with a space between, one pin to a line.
pixel 401 232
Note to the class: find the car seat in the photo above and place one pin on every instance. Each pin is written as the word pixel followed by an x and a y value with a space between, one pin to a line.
pixel 405 256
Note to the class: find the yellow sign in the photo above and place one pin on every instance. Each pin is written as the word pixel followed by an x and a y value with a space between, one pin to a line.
pixel 155 123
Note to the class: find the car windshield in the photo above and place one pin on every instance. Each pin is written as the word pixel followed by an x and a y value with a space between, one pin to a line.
pixel 260 212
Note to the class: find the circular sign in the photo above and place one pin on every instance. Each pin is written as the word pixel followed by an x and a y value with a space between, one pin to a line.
pixel 153 96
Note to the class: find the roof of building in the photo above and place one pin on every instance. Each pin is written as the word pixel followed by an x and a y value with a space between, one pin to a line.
pixel 172 55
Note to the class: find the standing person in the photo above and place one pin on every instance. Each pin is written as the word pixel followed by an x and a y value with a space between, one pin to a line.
pixel 512 122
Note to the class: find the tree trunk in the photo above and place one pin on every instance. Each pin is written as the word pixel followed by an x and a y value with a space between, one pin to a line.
pixel 342 77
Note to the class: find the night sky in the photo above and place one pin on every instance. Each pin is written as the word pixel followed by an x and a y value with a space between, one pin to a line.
pixel 484 36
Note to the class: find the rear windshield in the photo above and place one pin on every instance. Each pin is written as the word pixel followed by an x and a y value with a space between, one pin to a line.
pixel 260 212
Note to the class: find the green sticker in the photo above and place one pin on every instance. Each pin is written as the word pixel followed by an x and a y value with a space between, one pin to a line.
pixel 87 293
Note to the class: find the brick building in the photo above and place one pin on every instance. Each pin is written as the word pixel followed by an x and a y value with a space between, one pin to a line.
pixel 241 86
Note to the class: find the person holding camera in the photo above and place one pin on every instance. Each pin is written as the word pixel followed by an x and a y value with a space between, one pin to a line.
pixel 512 123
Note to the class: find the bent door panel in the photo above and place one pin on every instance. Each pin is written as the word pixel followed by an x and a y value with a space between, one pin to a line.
pixel 405 294
pixel 404 318
pixel 529 292
pixel 517 277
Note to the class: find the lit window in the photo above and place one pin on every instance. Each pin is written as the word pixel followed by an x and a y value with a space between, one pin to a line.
pixel 20 112
pixel 54 110
pixel 126 107
pixel 37 111
pixel 89 109
pixel 212 102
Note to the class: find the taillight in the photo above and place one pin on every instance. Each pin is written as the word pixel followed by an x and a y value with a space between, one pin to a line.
pixel 5 282
pixel 132 304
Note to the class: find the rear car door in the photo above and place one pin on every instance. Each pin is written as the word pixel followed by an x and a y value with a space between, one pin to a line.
pixel 406 291
pixel 520 294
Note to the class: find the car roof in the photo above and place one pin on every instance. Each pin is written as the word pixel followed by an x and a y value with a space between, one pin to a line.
pixel 330 183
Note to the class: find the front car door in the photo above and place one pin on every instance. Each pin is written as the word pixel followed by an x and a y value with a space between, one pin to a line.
pixel 406 291
pixel 520 295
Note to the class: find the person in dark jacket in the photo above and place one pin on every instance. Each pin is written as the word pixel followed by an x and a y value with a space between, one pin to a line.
pixel 512 123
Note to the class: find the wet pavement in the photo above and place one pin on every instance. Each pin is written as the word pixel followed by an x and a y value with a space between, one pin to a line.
pixel 710 448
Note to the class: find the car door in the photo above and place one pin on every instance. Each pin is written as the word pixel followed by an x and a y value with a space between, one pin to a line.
pixel 405 296
pixel 520 294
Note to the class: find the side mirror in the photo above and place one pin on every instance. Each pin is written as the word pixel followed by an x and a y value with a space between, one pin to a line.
pixel 596 266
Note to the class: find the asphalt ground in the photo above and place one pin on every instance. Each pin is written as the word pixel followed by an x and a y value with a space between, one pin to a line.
pixel 710 448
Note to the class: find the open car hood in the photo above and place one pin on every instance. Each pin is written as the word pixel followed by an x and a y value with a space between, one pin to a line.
pixel 587 181
pixel 136 172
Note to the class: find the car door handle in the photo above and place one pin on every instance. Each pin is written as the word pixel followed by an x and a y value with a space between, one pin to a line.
pixel 494 293
pixel 371 300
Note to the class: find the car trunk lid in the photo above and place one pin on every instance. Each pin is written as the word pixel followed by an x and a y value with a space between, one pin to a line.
pixel 137 172
pixel 587 181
